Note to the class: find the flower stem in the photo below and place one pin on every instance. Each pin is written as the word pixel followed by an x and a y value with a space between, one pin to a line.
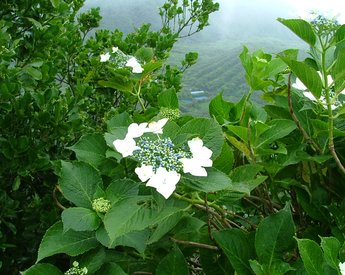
pixel 195 244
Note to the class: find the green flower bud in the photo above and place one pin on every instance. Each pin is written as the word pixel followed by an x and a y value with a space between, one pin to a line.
pixel 101 205
pixel 171 114
pixel 76 270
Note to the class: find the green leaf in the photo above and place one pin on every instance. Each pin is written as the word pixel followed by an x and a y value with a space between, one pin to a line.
pixel 165 226
pixel 274 236
pixel 312 257
pixel 90 148
pixel 220 109
pixel 173 264
pixel 238 247
pixel 308 75
pixel 279 128
pixel 71 242
pixel 55 3
pixel 79 182
pixel 301 28
pixel 34 73
pixel 145 54
pixel 339 72
pixel 80 219
pixel 151 66
pixel 119 120
pixel 93 259
pixel 121 188
pixel 225 160
pixel 42 269
pixel 118 83
pixel 244 178
pixel 126 216
pixel 111 269
pixel 331 248
pixel 215 181
pixel 168 98
pixel 134 239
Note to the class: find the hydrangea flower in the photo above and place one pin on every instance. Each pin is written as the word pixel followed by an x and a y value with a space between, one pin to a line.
pixel 114 49
pixel 201 157
pixel 105 57
pixel 161 163
pixel 136 67
pixel 342 268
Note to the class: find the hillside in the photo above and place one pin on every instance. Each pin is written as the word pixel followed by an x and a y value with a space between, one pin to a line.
pixel 218 68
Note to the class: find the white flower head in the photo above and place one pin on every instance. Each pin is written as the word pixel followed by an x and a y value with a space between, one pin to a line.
pixel 156 127
pixel 114 49
pixel 164 181
pixel 136 67
pixel 201 157
pixel 144 172
pixel 125 146
pixel 342 268
pixel 105 57
pixel 136 130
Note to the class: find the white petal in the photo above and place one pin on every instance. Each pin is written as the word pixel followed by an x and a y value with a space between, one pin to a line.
pixel 137 69
pixel 164 181
pixel 115 49
pixel 156 127
pixel 125 146
pixel 194 167
pixel 135 130
pixel 342 268
pixel 105 57
pixel 144 172
pixel 309 95
pixel 195 144
pixel 299 85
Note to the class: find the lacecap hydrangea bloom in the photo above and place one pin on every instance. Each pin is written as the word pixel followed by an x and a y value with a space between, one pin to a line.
pixel 161 162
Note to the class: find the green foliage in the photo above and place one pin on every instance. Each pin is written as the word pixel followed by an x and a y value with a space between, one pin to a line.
pixel 260 189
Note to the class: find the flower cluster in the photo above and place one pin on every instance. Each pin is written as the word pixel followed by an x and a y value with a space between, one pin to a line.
pixel 101 205
pixel 300 86
pixel 76 270
pixel 122 60
pixel 161 163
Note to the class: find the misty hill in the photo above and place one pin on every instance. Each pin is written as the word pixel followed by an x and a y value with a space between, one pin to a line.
pixel 218 68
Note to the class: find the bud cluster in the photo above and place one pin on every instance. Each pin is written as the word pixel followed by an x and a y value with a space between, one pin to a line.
pixel 101 205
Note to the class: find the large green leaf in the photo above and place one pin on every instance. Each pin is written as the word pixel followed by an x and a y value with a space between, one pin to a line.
pixel 279 128
pixel 215 181
pixel 339 72
pixel 126 216
pixel 93 259
pixel 308 75
pixel 331 248
pixel 80 219
pixel 173 264
pixel 164 226
pixel 79 182
pixel 312 257
pixel 42 269
pixel 220 109
pixel 90 148
pixel 73 243
pixel 168 98
pixel 135 239
pixel 238 247
pixel 121 188
pixel 274 236
pixel 111 269
pixel 301 28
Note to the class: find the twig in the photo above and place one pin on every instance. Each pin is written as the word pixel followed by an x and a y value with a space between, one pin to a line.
pixel 195 244
pixel 56 200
